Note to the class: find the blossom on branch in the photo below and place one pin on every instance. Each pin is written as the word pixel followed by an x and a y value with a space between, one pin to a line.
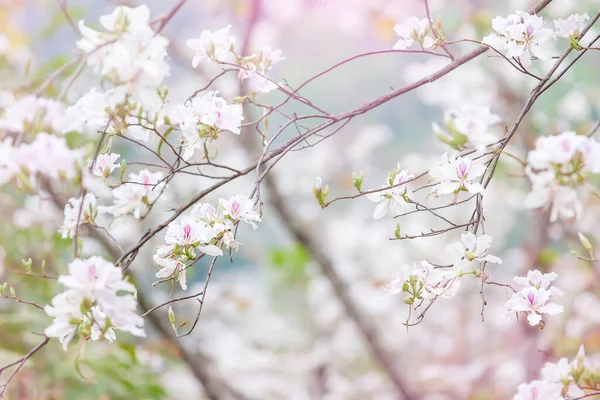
pixel 137 194
pixel 558 168
pixel 105 164
pixel 215 46
pixel 533 298
pixel 129 52
pixel 522 36
pixel 97 301
pixel 470 252
pixel 455 174
pixel 396 197
pixel 413 30
pixel 572 26
pixel 77 214
pixel 468 125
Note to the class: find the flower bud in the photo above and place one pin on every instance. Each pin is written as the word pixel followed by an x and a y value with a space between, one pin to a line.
pixel 584 242
pixel 318 184
pixel 171 316
pixel 358 180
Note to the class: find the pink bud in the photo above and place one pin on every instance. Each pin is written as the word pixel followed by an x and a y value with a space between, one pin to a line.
pixel 187 230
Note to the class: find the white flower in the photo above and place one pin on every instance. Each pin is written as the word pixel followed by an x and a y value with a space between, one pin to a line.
pixel 390 200
pixel 139 132
pixel 558 168
pixel 201 122
pixel 171 268
pixel 413 30
pixel 469 251
pixel 130 53
pixel 539 390
pixel 135 196
pixel 572 26
pixel 105 164
pixel 522 35
pixel 97 301
pixel 206 213
pixel 191 234
pixel 65 309
pixel 59 161
pixel 474 122
pixel 89 115
pixel 9 161
pixel 97 279
pixel 240 208
pixel 455 174
pixel 417 281
pixel 256 67
pixel 77 214
pixel 214 111
pixel 534 298
pixel 215 46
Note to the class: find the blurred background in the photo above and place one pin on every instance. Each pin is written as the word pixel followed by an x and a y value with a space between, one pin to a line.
pixel 274 325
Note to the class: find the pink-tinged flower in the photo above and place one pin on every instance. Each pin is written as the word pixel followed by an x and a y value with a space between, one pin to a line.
pixel 522 35
pixel 474 122
pixel 97 279
pixel 533 300
pixel 572 26
pixel 413 30
pixel 470 252
pixel 392 199
pixel 214 111
pixel 94 303
pixel 135 196
pixel 539 390
pixel 192 234
pixel 215 46
pixel 240 208
pixel 105 164
pixel 455 174
pixel 558 168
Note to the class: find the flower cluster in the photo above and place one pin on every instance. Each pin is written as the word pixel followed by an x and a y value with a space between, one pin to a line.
pixel 468 125
pixel 533 299
pixel 206 230
pixel 557 168
pixel 32 114
pixel 455 174
pixel 562 380
pixel 93 303
pixel 522 36
pixel 23 164
pixel 129 53
pixel 395 196
pixel 218 47
pixel 201 122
